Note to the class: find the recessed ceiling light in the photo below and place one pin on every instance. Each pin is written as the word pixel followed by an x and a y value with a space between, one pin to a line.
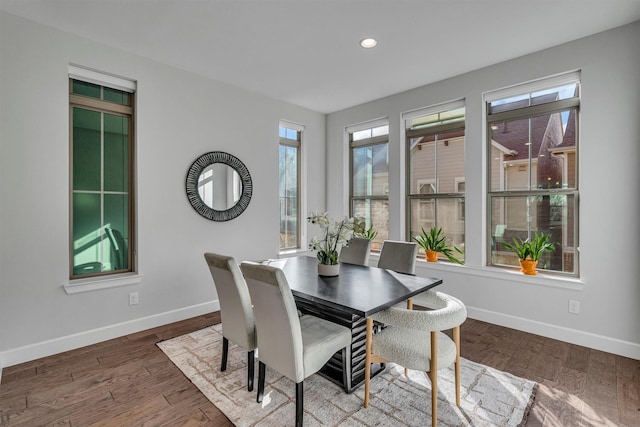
pixel 368 43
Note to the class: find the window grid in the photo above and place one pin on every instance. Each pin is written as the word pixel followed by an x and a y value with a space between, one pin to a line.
pixel 369 178
pixel 104 245
pixel 290 142
pixel 435 173
pixel 537 191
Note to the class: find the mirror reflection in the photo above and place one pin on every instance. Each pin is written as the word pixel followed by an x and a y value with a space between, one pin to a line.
pixel 219 186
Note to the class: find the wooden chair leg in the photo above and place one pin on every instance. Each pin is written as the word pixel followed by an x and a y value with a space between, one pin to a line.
pixel 225 352
pixel 456 340
pixel 433 374
pixel 367 363
pixel 261 369
pixel 250 369
pixel 299 403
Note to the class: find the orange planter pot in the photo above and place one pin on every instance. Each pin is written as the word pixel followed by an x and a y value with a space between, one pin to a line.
pixel 431 256
pixel 528 267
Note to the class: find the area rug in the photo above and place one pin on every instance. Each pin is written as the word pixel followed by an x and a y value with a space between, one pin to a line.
pixel 488 397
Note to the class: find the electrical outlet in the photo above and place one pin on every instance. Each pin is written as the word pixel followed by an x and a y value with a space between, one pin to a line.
pixel 133 298
pixel 574 307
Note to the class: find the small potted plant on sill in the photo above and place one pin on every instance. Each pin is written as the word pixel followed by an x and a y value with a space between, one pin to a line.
pixel 530 250
pixel 435 241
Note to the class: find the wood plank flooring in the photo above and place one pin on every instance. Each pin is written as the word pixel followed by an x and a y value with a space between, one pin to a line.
pixel 128 381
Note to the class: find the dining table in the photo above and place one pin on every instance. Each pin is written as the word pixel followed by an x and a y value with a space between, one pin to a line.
pixel 348 299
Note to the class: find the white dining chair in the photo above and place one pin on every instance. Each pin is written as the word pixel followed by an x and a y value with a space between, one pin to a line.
pixel 238 324
pixel 296 347
pixel 356 251
pixel 413 339
pixel 398 256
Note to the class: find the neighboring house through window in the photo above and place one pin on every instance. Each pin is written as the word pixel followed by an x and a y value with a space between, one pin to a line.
pixel 101 111
pixel 435 172
pixel 533 169
pixel 369 176
pixel 290 137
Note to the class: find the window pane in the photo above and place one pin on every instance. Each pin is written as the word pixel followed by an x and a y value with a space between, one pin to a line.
pixel 87 242
pixel 116 96
pixel 436 156
pixel 116 230
pixel 86 150
pixel 376 213
pixel 445 213
pixel 288 197
pixel 535 153
pixel 116 153
pixel 86 89
pixel 534 98
pixel 521 217
pixel 370 171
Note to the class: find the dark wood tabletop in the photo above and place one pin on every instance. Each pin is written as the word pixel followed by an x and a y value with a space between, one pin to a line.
pixel 359 290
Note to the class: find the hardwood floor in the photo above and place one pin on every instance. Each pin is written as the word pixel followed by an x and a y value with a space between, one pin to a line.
pixel 128 381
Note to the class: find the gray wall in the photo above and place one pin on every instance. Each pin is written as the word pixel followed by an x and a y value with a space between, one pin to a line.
pixel 179 117
pixel 608 289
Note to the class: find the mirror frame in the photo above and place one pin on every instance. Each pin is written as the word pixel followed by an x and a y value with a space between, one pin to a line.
pixel 193 174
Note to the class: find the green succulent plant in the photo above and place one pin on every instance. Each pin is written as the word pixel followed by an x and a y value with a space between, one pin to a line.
pixel 531 248
pixel 436 240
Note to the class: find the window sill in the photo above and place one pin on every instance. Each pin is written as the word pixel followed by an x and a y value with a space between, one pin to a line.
pixel 99 283
pixel 292 252
pixel 507 274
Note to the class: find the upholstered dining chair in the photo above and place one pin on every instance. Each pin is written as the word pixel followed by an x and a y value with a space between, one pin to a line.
pixel 296 347
pixel 398 256
pixel 356 252
pixel 413 339
pixel 238 323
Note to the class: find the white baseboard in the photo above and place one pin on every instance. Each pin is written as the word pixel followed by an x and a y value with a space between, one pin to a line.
pixel 573 336
pixel 58 345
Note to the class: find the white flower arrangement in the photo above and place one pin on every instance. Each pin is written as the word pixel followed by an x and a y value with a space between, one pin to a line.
pixel 335 235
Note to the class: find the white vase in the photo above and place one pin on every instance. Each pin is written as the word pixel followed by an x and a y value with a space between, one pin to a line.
pixel 328 270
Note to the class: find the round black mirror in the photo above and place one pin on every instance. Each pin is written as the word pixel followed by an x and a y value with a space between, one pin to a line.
pixel 219 186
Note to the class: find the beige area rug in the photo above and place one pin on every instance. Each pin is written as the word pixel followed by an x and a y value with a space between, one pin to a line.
pixel 489 397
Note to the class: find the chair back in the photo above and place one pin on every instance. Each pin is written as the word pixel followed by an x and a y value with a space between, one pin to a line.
pixel 277 322
pixel 398 256
pixel 447 313
pixel 356 252
pixel 238 323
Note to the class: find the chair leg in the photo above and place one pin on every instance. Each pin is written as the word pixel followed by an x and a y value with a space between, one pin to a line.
pixel 367 363
pixel 225 351
pixel 346 369
pixel 250 369
pixel 299 403
pixel 456 340
pixel 433 374
pixel 261 369
pixel 409 307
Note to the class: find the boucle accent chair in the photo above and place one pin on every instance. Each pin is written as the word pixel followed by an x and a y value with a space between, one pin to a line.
pixel 356 252
pixel 238 323
pixel 296 347
pixel 398 256
pixel 412 339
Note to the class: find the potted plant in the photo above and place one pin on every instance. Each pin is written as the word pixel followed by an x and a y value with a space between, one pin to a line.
pixel 435 241
pixel 335 234
pixel 530 250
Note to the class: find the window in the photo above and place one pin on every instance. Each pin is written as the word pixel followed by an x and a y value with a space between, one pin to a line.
pixel 289 161
pixel 102 148
pixel 435 176
pixel 369 172
pixel 533 170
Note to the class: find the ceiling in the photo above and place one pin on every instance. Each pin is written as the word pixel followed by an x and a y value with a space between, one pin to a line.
pixel 306 52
